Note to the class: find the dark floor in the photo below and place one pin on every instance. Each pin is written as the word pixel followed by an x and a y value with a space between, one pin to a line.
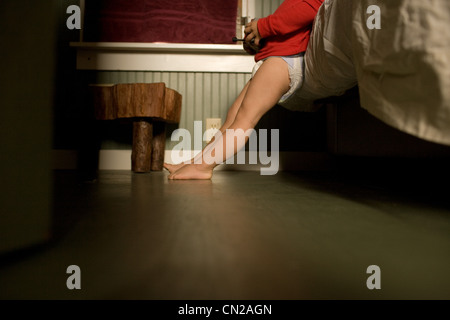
pixel 240 236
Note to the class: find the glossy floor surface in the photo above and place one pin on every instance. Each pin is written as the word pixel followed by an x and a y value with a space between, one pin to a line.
pixel 240 236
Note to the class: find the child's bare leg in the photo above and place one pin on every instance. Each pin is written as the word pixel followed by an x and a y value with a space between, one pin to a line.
pixel 231 115
pixel 268 85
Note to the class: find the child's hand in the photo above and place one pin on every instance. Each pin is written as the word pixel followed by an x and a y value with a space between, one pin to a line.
pixel 252 38
pixel 251 33
pixel 250 48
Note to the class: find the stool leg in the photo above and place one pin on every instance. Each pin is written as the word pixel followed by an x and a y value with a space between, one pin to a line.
pixel 141 156
pixel 158 145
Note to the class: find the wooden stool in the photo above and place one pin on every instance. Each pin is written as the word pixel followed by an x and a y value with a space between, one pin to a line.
pixel 150 106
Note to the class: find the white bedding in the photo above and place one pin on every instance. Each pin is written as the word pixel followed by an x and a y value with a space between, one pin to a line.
pixel 402 70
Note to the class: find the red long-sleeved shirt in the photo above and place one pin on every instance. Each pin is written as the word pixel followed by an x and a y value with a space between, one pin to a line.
pixel 286 31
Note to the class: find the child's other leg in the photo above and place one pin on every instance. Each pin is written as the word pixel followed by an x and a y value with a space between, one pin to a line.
pixel 269 84
pixel 231 115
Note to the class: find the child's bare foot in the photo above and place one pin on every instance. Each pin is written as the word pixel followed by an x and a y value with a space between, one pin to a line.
pixel 173 167
pixel 192 172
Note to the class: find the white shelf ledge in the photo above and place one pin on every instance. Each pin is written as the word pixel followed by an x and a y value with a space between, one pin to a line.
pixel 162 47
pixel 177 57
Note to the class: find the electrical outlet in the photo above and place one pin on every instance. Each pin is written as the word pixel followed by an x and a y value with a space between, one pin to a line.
pixel 212 126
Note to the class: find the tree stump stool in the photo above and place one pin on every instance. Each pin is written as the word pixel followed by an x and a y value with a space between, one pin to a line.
pixel 150 106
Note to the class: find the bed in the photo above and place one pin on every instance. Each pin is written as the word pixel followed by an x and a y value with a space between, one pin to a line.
pixel 402 70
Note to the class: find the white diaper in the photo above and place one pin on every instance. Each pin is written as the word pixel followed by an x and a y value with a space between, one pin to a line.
pixel 296 72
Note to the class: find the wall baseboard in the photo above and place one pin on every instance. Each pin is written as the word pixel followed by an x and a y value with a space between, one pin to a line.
pixel 121 160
